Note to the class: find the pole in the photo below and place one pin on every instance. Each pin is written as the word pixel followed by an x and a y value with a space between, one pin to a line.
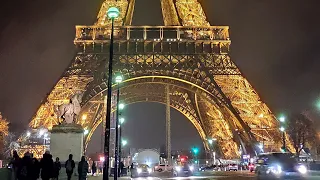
pixel 115 175
pixel 284 141
pixel 120 148
pixel 108 112
pixel 168 125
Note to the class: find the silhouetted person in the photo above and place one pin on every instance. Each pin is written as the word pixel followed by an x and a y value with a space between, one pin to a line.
pixel 34 169
pixel 56 169
pixel 70 165
pixel 93 168
pixel 14 163
pixel 24 170
pixel 121 166
pixel 46 165
pixel 83 169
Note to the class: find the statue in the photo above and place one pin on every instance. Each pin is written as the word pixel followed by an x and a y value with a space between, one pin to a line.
pixel 69 112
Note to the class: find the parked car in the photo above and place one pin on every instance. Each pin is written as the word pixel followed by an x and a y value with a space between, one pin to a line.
pixel 232 167
pixel 162 167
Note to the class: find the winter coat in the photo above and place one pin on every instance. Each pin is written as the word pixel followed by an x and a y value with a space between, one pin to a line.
pixel 83 169
pixel 24 170
pixel 46 165
pixel 56 169
pixel 34 169
pixel 73 165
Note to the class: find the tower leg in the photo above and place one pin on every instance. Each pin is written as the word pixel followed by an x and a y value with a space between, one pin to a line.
pixel 168 126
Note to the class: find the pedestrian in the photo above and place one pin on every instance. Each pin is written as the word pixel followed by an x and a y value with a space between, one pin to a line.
pixel 70 165
pixel 121 166
pixel 56 169
pixel 83 168
pixel 24 170
pixel 46 165
pixel 14 163
pixel 93 168
pixel 35 168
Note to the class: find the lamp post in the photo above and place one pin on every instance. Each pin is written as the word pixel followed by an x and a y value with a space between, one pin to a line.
pixel 282 120
pixel 112 13
pixel 211 141
pixel 121 120
pixel 116 147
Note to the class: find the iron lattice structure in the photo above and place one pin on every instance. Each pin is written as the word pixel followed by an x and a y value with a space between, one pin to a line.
pixel 187 55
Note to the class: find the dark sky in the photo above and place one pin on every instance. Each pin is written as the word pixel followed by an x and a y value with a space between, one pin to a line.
pixel 274 43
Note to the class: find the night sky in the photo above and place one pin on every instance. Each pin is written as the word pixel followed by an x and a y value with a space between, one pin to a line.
pixel 274 43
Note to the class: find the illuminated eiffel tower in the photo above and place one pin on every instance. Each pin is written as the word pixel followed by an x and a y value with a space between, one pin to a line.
pixel 188 55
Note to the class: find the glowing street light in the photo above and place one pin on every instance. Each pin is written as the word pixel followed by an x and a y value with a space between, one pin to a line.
pixel 282 119
pixel 86 131
pixel 113 12
pixel 210 141
pixel 282 129
pixel 118 79
pixel 124 142
pixel 121 106
pixel 28 134
pixel 121 120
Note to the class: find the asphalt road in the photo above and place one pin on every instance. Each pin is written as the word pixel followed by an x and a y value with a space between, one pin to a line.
pixel 218 175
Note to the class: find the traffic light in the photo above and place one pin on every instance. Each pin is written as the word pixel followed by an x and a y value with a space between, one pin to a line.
pixel 195 150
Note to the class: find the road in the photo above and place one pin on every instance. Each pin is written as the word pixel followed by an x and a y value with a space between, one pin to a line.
pixel 220 175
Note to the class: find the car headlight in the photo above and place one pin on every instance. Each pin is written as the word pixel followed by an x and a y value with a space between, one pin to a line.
pixel 191 168
pixel 275 169
pixel 302 169
pixel 149 170
pixel 178 168
pixel 139 170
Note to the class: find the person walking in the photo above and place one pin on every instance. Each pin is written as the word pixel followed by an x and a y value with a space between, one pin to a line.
pixel 121 166
pixel 56 169
pixel 34 169
pixel 46 165
pixel 93 168
pixel 24 170
pixel 83 169
pixel 15 163
pixel 70 165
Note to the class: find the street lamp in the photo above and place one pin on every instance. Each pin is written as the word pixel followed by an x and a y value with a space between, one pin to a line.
pixel 121 120
pixel 124 142
pixel 117 146
pixel 28 134
pixel 282 120
pixel 210 141
pixel 86 131
pixel 113 12
pixel 121 106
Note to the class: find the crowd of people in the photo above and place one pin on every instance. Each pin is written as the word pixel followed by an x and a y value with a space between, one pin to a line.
pixel 29 168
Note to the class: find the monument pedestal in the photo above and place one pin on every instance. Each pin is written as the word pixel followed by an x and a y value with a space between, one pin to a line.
pixel 67 139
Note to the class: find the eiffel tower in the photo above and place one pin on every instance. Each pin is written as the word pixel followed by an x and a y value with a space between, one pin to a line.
pixel 187 55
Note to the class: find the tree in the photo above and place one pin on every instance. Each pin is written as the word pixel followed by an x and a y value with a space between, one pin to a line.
pixel 4 128
pixel 302 131
pixel 4 131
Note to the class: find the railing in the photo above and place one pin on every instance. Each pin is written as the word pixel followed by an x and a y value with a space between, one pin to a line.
pixel 101 34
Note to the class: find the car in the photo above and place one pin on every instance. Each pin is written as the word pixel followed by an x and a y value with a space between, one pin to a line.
pixel 183 170
pixel 270 166
pixel 232 167
pixel 162 167
pixel 141 170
